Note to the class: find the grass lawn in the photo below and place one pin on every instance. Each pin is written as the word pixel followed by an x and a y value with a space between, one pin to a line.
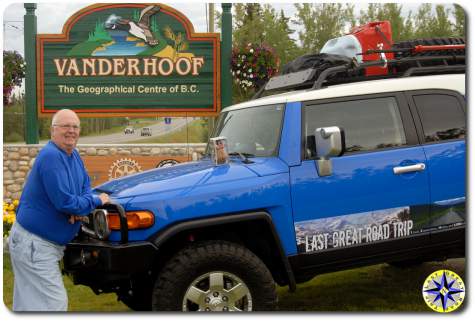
pixel 81 298
pixel 379 287
pixel 119 129
pixel 375 288
pixel 195 135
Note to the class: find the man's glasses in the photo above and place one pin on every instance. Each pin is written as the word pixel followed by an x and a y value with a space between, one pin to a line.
pixel 68 127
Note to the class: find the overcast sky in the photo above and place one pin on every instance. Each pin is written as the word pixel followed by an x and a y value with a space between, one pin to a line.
pixel 52 16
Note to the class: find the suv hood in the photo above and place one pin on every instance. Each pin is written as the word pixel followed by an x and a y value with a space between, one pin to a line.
pixel 188 175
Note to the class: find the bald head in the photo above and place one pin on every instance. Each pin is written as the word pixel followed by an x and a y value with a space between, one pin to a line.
pixel 63 113
pixel 65 130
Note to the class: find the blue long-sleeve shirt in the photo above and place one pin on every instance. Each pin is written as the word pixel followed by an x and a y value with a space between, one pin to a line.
pixel 57 186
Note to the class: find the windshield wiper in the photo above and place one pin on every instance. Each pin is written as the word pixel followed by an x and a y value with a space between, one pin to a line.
pixel 244 157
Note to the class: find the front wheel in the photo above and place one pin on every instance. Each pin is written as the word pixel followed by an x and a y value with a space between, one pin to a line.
pixel 214 276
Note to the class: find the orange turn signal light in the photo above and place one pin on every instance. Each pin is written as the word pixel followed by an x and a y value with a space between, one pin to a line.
pixel 135 220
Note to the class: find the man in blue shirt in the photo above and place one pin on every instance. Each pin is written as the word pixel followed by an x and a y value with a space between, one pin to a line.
pixel 55 197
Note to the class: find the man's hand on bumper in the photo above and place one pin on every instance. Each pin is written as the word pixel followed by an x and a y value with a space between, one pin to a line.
pixel 76 218
pixel 104 198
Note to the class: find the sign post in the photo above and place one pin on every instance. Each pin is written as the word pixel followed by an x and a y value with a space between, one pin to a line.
pixel 227 29
pixel 31 116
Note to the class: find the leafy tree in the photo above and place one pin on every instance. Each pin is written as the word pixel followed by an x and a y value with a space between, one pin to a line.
pixel 441 25
pixel 320 23
pixel 350 8
pixel 428 22
pixel 422 22
pixel 13 73
pixel 459 26
pixel 392 13
pixel 408 31
pixel 428 25
pixel 370 14
pixel 387 12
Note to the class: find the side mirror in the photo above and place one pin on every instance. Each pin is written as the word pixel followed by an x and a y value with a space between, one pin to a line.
pixel 329 142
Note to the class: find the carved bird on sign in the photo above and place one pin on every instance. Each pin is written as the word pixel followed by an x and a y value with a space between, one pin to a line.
pixel 139 29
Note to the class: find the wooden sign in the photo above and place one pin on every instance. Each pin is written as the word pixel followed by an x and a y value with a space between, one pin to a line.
pixel 129 60
pixel 104 168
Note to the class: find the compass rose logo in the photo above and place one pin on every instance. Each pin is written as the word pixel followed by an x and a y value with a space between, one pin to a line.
pixel 443 291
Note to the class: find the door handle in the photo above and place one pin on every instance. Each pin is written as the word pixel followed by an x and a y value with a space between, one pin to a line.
pixel 409 169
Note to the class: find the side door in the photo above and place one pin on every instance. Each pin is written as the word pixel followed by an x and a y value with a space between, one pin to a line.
pixel 441 123
pixel 364 206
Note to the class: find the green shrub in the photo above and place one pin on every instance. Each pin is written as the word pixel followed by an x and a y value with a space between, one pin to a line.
pixel 13 138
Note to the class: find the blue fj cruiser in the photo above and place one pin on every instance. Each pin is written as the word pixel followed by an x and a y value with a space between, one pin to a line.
pixel 336 176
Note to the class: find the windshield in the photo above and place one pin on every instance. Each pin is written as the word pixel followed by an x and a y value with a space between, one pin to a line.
pixel 251 131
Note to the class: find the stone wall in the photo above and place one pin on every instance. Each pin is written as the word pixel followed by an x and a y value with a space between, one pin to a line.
pixel 18 159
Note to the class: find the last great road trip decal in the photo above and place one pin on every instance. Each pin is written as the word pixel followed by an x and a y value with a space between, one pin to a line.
pixel 379 225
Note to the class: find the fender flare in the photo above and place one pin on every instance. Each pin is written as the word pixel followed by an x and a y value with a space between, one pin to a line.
pixel 161 237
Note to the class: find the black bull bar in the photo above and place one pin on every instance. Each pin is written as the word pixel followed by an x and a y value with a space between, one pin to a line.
pixel 113 208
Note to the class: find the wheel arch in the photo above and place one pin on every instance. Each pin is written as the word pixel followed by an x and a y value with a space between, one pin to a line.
pixel 255 230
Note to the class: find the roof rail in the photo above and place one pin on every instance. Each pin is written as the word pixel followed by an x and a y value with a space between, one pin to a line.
pixel 326 73
pixel 433 69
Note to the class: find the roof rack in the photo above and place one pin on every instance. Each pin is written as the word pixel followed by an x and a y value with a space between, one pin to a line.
pixel 444 64
pixel 351 72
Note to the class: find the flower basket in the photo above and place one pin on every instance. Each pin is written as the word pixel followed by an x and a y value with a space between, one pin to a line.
pixel 253 65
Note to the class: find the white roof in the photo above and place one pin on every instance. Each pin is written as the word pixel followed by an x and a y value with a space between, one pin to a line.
pixel 454 82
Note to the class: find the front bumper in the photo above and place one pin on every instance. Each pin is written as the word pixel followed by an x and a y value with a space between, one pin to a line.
pixel 103 265
pixel 100 256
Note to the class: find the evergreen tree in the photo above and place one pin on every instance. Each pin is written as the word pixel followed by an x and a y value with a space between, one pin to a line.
pixel 277 34
pixel 247 20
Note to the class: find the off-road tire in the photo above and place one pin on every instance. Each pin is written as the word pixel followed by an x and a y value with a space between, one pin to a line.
pixel 204 257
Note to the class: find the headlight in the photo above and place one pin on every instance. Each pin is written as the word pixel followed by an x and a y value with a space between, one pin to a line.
pixel 101 227
pixel 135 220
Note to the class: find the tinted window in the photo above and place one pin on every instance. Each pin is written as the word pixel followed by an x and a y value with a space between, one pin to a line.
pixel 369 124
pixel 442 117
